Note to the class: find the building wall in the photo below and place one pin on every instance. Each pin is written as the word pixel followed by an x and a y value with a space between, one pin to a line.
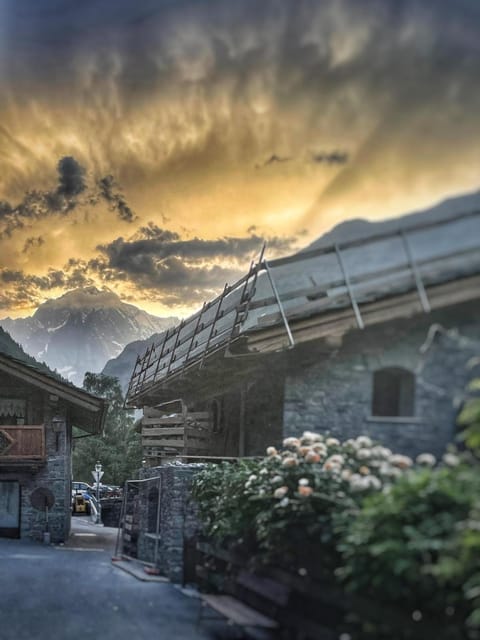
pixel 262 408
pixel 54 475
pixel 178 523
pixel 330 390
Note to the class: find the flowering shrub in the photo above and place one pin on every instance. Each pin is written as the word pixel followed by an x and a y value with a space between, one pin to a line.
pixel 400 532
pixel 290 501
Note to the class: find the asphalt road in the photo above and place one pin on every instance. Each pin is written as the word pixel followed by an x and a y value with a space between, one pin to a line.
pixel 74 592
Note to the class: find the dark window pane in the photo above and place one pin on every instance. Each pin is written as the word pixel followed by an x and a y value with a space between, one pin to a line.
pixel 393 392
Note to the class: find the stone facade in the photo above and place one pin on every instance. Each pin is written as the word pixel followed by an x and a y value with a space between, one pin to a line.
pixel 36 414
pixel 177 518
pixel 330 390
pixel 56 476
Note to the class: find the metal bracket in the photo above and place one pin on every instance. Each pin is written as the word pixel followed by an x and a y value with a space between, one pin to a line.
pixel 351 293
pixel 279 302
pixel 422 294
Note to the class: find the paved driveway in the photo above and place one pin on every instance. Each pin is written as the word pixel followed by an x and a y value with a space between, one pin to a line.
pixel 74 592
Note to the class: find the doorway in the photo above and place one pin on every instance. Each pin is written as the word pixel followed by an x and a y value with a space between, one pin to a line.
pixel 9 509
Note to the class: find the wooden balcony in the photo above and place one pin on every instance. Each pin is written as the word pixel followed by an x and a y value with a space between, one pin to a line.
pixel 22 446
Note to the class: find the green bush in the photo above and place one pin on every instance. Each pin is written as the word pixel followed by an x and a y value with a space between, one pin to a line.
pixel 417 545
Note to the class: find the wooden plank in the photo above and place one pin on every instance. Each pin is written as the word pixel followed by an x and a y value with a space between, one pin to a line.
pixel 164 442
pixel 270 589
pixel 192 432
pixel 177 419
pixel 238 612
pixel 163 431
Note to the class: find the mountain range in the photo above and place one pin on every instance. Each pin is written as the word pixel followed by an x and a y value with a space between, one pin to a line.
pixel 82 330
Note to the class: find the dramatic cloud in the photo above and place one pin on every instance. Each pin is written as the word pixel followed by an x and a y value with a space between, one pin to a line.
pixel 110 193
pixel 219 115
pixel 176 267
pixel 71 177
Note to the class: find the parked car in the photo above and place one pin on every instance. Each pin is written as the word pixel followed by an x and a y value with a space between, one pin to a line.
pixel 81 486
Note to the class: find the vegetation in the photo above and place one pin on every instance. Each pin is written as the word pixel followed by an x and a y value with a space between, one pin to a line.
pixel 118 448
pixel 399 533
pixel 469 417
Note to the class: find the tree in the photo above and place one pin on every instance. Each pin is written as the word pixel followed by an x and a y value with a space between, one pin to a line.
pixel 119 447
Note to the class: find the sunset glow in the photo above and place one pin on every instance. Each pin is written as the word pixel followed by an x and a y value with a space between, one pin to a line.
pixel 192 132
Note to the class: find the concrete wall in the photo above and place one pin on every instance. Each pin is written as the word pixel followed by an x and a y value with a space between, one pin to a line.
pixel 331 390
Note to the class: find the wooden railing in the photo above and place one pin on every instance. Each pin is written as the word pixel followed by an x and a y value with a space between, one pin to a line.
pixel 21 444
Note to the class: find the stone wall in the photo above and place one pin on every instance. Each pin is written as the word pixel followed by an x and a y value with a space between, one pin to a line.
pixel 178 521
pixel 331 390
pixel 55 475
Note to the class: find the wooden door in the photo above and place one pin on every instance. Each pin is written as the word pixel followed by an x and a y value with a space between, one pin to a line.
pixel 9 509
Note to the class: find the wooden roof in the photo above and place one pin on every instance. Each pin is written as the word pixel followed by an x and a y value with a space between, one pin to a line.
pixel 327 290
pixel 87 411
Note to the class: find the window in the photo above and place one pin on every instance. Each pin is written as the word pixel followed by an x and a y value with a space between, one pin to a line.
pixel 393 392
pixel 12 410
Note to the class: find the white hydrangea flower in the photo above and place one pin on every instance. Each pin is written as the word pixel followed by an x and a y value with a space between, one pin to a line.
pixel 332 467
pixel 320 448
pixel 358 482
pixel 400 461
pixel 426 459
pixel 337 458
pixel 364 441
pixel 373 482
pixel 363 454
pixel 271 451
pixel 381 452
pixel 291 443
pixel 280 492
pixel 332 442
pixel 451 460
pixel 346 474
pixel 290 461
pixel 307 437
pixel 304 482
pixel 386 470
pixel 276 479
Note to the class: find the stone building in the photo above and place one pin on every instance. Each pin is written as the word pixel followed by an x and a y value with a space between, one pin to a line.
pixel 37 413
pixel 369 335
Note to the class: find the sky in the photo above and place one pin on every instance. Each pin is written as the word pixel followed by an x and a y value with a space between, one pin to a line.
pixel 152 147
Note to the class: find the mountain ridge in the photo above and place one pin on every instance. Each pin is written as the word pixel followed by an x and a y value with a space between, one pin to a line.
pixel 82 329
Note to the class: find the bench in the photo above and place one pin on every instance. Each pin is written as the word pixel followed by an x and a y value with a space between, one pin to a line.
pixel 253 602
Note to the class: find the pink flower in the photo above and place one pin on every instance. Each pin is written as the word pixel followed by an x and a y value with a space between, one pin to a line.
pixel 305 491
pixel 290 462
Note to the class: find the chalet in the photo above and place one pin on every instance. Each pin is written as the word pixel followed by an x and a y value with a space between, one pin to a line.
pixel 372 334
pixel 37 412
